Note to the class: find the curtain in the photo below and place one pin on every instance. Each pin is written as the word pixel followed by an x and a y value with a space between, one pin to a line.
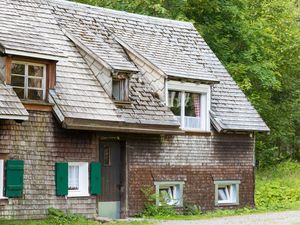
pixel 73 178
pixel 196 98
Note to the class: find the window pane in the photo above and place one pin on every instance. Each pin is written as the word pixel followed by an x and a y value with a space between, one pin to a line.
pixel 175 102
pixel 18 68
pixel 119 90
pixel 170 195
pixel 35 71
pixel 36 83
pixel 73 178
pixel 106 156
pixel 35 94
pixel 192 110
pixel 17 81
pixel 222 194
pixel 19 92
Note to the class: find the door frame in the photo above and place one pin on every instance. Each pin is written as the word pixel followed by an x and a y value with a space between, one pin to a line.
pixel 123 173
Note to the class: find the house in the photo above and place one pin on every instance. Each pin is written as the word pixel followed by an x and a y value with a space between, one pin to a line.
pixel 98 104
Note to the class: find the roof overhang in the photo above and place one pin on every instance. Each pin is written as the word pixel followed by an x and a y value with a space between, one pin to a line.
pixel 7 51
pixel 14 117
pixel 222 128
pixel 111 126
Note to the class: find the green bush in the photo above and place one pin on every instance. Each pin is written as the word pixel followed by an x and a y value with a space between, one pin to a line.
pixel 278 186
pixel 151 209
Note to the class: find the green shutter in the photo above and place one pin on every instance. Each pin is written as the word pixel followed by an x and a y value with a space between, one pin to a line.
pixel 95 178
pixel 14 178
pixel 61 178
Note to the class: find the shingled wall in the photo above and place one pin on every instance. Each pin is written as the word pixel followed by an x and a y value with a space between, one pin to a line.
pixel 40 142
pixel 197 160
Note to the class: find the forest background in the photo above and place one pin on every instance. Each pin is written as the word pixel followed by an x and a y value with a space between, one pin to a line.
pixel 258 41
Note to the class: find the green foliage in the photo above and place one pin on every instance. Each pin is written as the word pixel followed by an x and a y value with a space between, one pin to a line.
pixel 258 42
pixel 278 186
pixel 190 209
pixel 151 209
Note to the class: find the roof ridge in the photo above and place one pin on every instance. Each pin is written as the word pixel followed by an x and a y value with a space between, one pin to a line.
pixel 128 15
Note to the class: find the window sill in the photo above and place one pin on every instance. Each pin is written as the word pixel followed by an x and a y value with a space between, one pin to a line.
pixel 78 195
pixel 3 201
pixel 227 204
pixel 122 103
pixel 196 132
pixel 36 105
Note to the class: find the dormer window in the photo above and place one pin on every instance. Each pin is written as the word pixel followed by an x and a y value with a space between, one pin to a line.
pixel 29 80
pixel 190 104
pixel 120 89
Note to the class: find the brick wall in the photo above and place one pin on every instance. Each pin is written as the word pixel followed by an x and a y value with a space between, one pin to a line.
pixel 40 142
pixel 198 160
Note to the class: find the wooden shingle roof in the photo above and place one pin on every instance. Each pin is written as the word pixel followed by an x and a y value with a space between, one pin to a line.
pixel 174 48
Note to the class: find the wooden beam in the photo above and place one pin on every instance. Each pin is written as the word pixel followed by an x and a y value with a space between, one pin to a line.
pixel 38 107
pixel 8 61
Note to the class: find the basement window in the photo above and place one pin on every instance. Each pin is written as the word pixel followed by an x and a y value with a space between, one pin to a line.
pixel 29 80
pixel 170 193
pixel 226 192
pixel 120 89
pixel 78 179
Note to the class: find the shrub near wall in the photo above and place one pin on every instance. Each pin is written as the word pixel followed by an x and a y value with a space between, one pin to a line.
pixel 278 186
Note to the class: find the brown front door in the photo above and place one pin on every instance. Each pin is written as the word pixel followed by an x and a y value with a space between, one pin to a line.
pixel 110 158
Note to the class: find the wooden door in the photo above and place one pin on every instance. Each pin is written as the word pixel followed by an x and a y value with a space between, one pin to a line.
pixel 109 200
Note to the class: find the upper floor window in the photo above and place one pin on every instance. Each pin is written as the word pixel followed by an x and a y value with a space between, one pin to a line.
pixel 190 104
pixel 29 80
pixel 120 89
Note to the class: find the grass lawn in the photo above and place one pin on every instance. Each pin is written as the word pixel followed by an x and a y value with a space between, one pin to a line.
pixel 277 189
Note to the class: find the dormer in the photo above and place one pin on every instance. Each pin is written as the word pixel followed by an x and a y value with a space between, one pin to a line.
pixel 30 78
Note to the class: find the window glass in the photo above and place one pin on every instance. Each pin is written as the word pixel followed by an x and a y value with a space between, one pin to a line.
pixel 227 193
pixel 170 194
pixel 78 179
pixel 175 102
pixel 28 80
pixel 106 156
pixel 73 178
pixel 17 81
pixel 35 71
pixel 119 90
pixel 192 110
pixel 35 83
pixel 17 68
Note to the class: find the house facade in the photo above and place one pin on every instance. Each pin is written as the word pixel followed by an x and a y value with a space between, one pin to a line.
pixel 98 105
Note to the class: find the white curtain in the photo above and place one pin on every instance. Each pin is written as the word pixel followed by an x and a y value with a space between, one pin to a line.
pixel 73 178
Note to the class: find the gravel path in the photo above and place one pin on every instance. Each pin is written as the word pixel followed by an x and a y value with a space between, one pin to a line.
pixel 277 218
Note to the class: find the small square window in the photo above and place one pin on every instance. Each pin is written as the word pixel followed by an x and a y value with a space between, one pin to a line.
pixel 120 89
pixel 170 193
pixel 78 179
pixel 226 192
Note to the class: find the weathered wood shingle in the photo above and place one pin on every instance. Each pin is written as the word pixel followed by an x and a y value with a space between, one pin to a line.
pixel 174 48
pixel 10 105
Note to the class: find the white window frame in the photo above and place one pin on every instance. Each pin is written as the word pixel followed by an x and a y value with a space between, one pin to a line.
pixel 26 75
pixel 232 200
pixel 205 93
pixel 2 179
pixel 169 183
pixel 83 180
